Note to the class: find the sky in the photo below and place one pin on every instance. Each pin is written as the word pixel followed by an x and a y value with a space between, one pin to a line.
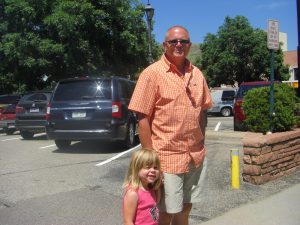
pixel 201 17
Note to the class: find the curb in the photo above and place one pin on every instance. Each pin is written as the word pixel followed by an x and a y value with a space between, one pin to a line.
pixel 232 134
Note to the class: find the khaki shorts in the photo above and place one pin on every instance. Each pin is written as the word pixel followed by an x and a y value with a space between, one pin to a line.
pixel 182 188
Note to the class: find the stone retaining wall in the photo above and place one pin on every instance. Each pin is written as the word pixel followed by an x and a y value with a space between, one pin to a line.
pixel 268 157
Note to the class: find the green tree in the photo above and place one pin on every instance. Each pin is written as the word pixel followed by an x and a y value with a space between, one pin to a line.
pixel 64 38
pixel 238 53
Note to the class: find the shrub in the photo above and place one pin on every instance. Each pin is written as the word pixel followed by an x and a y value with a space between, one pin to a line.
pixel 297 113
pixel 257 109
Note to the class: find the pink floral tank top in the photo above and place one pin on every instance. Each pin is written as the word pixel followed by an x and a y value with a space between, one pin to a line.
pixel 147 212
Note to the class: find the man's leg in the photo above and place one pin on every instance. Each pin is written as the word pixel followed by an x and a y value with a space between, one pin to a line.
pixel 171 198
pixel 165 218
pixel 182 218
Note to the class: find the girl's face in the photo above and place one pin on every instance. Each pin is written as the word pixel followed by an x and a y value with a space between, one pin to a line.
pixel 148 175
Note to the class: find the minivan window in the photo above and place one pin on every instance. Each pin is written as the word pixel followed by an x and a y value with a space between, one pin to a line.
pixel 126 89
pixel 83 90
pixel 228 95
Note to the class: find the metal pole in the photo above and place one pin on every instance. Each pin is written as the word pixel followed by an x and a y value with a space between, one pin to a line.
pixel 150 40
pixel 235 169
pixel 272 91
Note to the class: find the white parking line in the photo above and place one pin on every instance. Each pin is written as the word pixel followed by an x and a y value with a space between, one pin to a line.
pixel 218 126
pixel 117 156
pixel 10 139
pixel 40 134
pixel 48 146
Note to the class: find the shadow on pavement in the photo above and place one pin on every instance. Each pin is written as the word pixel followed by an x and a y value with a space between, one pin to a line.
pixel 93 147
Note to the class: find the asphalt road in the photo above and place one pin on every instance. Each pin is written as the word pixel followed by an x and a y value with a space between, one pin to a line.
pixel 42 185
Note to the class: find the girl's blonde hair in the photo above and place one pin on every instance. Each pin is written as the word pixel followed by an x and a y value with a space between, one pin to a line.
pixel 140 159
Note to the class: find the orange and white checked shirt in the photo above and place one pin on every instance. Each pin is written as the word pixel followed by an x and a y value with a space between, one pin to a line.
pixel 172 103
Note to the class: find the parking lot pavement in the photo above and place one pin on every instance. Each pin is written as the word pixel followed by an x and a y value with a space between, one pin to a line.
pixel 218 197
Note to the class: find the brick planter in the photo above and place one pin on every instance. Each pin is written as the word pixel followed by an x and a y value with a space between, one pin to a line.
pixel 268 157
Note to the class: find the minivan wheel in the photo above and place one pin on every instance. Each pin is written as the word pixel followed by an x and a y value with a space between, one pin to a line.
pixel 26 135
pixel 61 144
pixel 130 135
pixel 226 112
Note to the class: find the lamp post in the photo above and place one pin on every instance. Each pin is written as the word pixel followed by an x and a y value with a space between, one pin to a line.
pixel 149 11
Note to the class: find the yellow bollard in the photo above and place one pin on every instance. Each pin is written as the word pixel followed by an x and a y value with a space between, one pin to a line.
pixel 235 169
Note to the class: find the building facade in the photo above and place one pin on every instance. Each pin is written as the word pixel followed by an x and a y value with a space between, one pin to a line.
pixel 290 59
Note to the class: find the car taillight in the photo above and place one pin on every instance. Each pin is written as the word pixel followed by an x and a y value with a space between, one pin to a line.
pixel 19 109
pixel 238 104
pixel 48 111
pixel 116 109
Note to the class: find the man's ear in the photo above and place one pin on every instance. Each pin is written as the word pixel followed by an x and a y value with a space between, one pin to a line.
pixel 165 46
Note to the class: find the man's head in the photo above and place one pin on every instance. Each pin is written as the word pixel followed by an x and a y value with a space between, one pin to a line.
pixel 177 43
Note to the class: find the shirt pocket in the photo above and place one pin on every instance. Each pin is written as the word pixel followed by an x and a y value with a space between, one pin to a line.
pixel 168 96
pixel 195 94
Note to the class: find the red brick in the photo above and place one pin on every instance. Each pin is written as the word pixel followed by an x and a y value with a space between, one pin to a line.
pixel 281 160
pixel 262 158
pixel 280 146
pixel 288 153
pixel 266 149
pixel 291 166
pixel 297 157
pixel 285 164
pixel 252 151
pixel 247 159
pixel 252 169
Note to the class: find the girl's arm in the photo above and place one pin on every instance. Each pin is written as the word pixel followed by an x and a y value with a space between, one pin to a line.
pixel 130 206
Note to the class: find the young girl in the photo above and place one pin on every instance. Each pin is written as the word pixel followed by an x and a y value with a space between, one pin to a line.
pixel 142 189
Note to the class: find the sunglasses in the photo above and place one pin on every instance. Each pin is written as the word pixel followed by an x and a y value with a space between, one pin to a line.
pixel 181 41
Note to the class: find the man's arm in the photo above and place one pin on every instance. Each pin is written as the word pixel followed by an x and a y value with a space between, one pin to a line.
pixel 144 131
pixel 203 121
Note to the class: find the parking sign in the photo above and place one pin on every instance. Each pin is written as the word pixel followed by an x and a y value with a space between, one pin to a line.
pixel 273 34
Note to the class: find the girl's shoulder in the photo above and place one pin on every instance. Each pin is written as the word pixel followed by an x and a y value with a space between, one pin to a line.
pixel 131 193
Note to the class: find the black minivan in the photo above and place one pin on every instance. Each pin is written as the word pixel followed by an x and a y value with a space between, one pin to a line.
pixel 90 108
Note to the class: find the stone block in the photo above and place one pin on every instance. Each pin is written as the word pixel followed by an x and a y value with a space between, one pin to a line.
pixel 247 159
pixel 257 160
pixel 252 151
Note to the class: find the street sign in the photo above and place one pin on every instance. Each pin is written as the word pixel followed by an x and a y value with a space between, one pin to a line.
pixel 273 34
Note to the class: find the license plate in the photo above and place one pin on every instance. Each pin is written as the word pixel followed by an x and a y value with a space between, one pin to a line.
pixel 79 114
pixel 34 110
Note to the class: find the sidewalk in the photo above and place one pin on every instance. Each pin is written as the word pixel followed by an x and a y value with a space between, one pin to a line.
pixel 278 209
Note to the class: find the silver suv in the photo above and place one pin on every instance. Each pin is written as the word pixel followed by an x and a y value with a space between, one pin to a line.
pixel 223 99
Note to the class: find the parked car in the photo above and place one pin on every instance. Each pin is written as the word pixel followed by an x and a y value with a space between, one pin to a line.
pixel 8 112
pixel 91 109
pixel 31 113
pixel 239 116
pixel 223 101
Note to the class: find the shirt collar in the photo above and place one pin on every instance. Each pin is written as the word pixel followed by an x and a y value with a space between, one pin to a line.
pixel 171 67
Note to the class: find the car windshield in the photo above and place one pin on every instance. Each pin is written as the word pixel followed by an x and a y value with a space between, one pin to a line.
pixel 83 90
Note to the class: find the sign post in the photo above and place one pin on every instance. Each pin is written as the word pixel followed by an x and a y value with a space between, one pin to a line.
pixel 273 44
